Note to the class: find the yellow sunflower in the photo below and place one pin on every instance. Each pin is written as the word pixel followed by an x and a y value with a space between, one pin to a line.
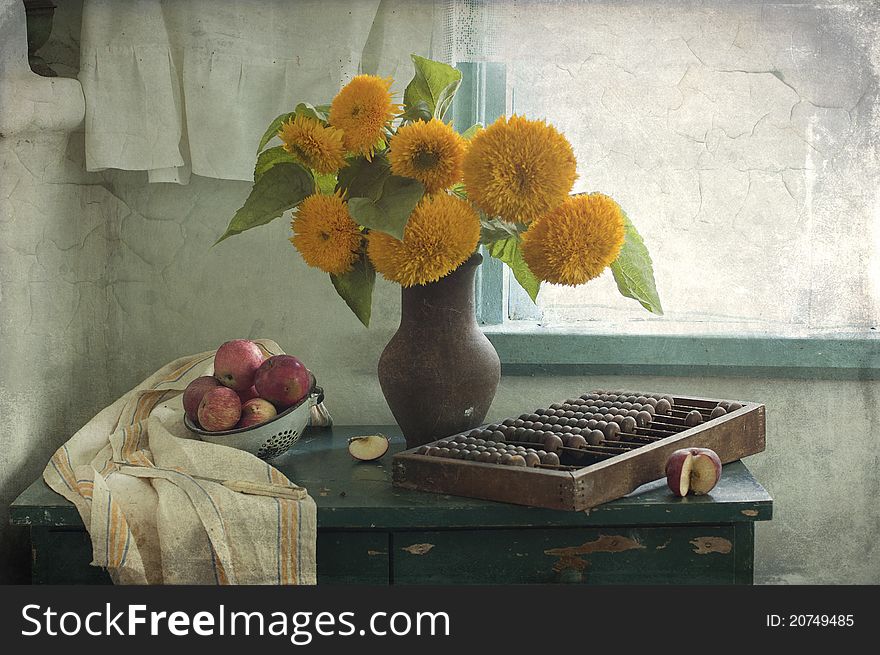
pixel 576 241
pixel 430 152
pixel 361 110
pixel 441 233
pixel 325 234
pixel 519 169
pixel 314 145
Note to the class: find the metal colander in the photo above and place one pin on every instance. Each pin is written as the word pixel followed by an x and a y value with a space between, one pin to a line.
pixel 270 439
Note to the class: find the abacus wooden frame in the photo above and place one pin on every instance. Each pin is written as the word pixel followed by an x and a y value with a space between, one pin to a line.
pixel 733 436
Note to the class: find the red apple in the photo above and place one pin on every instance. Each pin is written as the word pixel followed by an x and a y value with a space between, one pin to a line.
pixel 220 409
pixel 248 394
pixel 236 363
pixel 255 411
pixel 193 394
pixel 693 469
pixel 283 380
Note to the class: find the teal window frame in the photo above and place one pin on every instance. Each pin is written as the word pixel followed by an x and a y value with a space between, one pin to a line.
pixel 527 348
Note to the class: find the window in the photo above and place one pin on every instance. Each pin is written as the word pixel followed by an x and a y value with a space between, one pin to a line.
pixel 741 139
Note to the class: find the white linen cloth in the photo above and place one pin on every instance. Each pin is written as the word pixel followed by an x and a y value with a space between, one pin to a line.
pixel 174 87
pixel 172 526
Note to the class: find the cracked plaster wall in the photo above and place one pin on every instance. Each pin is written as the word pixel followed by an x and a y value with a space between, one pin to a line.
pixel 104 278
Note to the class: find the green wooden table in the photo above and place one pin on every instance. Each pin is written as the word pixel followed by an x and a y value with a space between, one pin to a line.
pixel 370 532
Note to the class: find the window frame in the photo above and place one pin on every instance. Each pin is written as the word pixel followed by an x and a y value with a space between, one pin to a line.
pixel 526 347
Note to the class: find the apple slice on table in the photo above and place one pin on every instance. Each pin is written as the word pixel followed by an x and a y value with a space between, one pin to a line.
pixel 368 447
pixel 695 470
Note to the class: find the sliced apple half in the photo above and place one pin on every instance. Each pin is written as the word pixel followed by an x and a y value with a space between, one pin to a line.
pixel 705 471
pixel 695 470
pixel 368 447
pixel 678 472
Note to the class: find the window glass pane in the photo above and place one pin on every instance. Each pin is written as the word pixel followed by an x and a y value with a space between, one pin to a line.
pixel 742 140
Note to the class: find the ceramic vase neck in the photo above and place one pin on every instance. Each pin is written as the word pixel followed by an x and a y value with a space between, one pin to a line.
pixel 448 300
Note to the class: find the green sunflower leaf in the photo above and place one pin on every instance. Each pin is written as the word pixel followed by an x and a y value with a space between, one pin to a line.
pixel 310 111
pixel 633 271
pixel 272 130
pixel 325 183
pixel 508 251
pixel 356 288
pixel 281 187
pixel 418 112
pixel 459 191
pixel 472 131
pixel 364 179
pixel 269 158
pixel 434 83
pixel 494 229
pixel 391 211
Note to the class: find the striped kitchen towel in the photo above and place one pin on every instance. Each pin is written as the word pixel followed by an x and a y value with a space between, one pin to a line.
pixel 167 525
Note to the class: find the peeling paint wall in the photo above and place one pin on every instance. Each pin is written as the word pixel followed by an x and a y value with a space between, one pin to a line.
pixel 104 278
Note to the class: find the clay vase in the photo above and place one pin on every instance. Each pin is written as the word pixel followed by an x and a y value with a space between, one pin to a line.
pixel 439 372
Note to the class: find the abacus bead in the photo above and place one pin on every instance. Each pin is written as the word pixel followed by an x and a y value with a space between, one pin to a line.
pixel 595 437
pixel 733 407
pixel 577 441
pixel 552 444
pixel 628 424
pixel 550 459
pixel 611 431
pixel 532 460
pixel 693 418
pixel 643 419
pixel 718 411
pixel 499 436
pixel 423 450
pixel 662 407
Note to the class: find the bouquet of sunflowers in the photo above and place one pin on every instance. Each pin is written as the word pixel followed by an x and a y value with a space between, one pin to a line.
pixel 380 186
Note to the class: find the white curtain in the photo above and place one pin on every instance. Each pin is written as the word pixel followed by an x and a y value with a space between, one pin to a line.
pixel 174 87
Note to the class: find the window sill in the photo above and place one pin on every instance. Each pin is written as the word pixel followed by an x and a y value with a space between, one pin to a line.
pixel 526 348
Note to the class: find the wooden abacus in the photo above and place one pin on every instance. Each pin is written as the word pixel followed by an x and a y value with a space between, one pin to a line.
pixel 582 452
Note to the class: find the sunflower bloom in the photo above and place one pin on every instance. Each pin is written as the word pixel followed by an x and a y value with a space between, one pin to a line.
pixel 325 234
pixel 576 241
pixel 519 169
pixel 431 153
pixel 441 233
pixel 314 145
pixel 362 109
